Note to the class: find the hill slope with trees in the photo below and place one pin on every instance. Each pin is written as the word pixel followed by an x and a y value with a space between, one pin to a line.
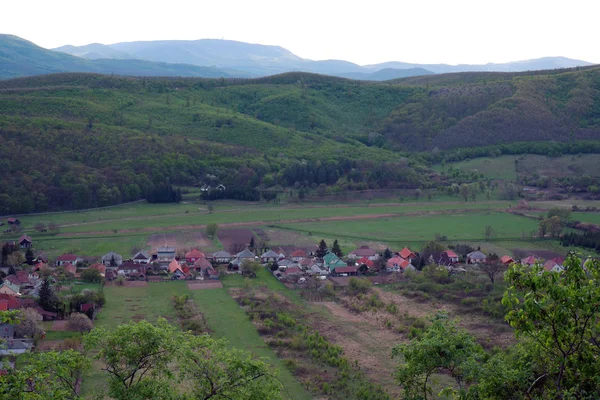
pixel 72 141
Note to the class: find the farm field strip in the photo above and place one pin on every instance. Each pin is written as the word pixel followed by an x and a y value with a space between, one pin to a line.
pixel 455 227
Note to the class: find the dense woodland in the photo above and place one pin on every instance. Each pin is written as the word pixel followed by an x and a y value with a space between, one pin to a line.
pixel 72 141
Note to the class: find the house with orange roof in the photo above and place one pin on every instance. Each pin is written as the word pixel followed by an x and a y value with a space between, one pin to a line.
pixel 175 270
pixel 193 255
pixel 450 255
pixel 397 264
pixel 506 260
pixel 407 254
pixel 298 255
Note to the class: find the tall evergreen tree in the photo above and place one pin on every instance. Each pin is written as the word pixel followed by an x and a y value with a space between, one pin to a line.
pixel 335 249
pixel 47 299
pixel 322 250
pixel 387 254
pixel 252 244
pixel 29 256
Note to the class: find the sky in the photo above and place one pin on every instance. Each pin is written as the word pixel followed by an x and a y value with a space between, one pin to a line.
pixel 365 32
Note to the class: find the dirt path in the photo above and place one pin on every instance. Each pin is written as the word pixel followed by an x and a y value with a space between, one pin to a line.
pixel 279 222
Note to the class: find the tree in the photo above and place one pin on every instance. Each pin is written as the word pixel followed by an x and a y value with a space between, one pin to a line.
pixel 464 191
pixel 79 322
pixel 387 253
pixel 429 248
pixel 29 256
pixel 45 375
pixel 557 313
pixel 418 194
pixel 30 323
pixel 274 266
pixel 210 207
pixel 47 298
pixel 543 228
pixel 211 230
pixel 492 268
pixel 555 225
pixel 91 275
pixel 335 249
pixel 216 370
pixel 488 231
pixel 252 245
pixel 443 348
pixel 250 268
pixel 142 368
pixel 322 250
pixel 40 227
pixel 563 213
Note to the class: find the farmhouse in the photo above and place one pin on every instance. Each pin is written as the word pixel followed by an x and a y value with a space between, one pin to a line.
pixel 298 255
pixel 25 242
pixel 345 271
pixel 451 256
pixel 141 257
pixel 131 271
pixel 246 255
pixel 175 270
pixel 13 221
pixel 164 255
pixel 364 251
pixel 269 256
pixel 476 257
pixel 407 254
pixel 192 256
pixel 397 264
pixel 552 266
pixel 68 258
pixel 221 257
pixel 112 259
pixel 529 260
pixel 9 288
pixel 506 260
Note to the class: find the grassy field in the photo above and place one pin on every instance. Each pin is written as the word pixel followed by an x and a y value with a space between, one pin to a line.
pixel 228 320
pixel 502 167
pixel 455 227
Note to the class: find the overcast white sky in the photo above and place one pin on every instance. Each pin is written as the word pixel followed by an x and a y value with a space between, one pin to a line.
pixel 365 32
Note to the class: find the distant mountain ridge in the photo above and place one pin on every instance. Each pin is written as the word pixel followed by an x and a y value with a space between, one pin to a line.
pixel 19 57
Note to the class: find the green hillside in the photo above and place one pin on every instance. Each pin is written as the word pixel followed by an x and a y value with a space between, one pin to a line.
pixel 86 140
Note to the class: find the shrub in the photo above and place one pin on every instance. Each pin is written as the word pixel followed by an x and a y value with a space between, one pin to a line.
pixel 359 286
pixel 290 364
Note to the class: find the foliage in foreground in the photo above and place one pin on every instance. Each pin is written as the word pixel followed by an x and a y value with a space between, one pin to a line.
pixel 146 361
pixel 557 318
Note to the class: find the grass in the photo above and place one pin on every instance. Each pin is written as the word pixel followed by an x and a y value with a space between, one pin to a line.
pixel 99 245
pixel 228 320
pixel 502 167
pixel 456 227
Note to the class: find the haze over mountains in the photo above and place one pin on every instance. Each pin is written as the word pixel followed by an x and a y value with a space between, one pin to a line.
pixel 218 58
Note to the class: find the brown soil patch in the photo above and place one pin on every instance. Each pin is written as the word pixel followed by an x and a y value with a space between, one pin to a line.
pixel 60 325
pixel 138 317
pixel 235 240
pixel 205 285
pixel 545 254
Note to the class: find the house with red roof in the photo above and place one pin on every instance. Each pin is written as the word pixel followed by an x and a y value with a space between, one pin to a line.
pixel 68 258
pixel 70 268
pixel 529 260
pixel 552 266
pixel 364 251
pixel 100 267
pixel 407 254
pixel 193 255
pixel 13 221
pixel 345 271
pixel 130 270
pixel 396 264
pixel 25 242
pixel 451 256
pixel 298 255
pixel 366 262
pixel 506 260
pixel 175 270
pixel 8 302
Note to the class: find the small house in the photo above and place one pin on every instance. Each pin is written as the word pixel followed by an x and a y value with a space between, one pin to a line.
pixel 552 266
pixel 269 257
pixel 112 259
pixel 345 271
pixel 130 270
pixel 25 242
pixel 10 289
pixel 531 260
pixel 396 264
pixel 298 255
pixel 13 221
pixel 193 255
pixel 141 257
pixel 476 257
pixel 506 260
pixel 221 257
pixel 246 255
pixel 164 255
pixel 364 251
pixel 68 258
pixel 407 254
pixel 452 256
pixel 175 270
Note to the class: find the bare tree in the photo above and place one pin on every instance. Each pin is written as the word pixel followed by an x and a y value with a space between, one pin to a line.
pixel 488 232
pixel 492 269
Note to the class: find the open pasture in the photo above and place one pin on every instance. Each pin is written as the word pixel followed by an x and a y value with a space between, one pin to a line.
pixel 455 227
pixel 235 240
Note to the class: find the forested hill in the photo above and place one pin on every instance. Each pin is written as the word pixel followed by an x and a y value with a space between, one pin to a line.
pixel 85 140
